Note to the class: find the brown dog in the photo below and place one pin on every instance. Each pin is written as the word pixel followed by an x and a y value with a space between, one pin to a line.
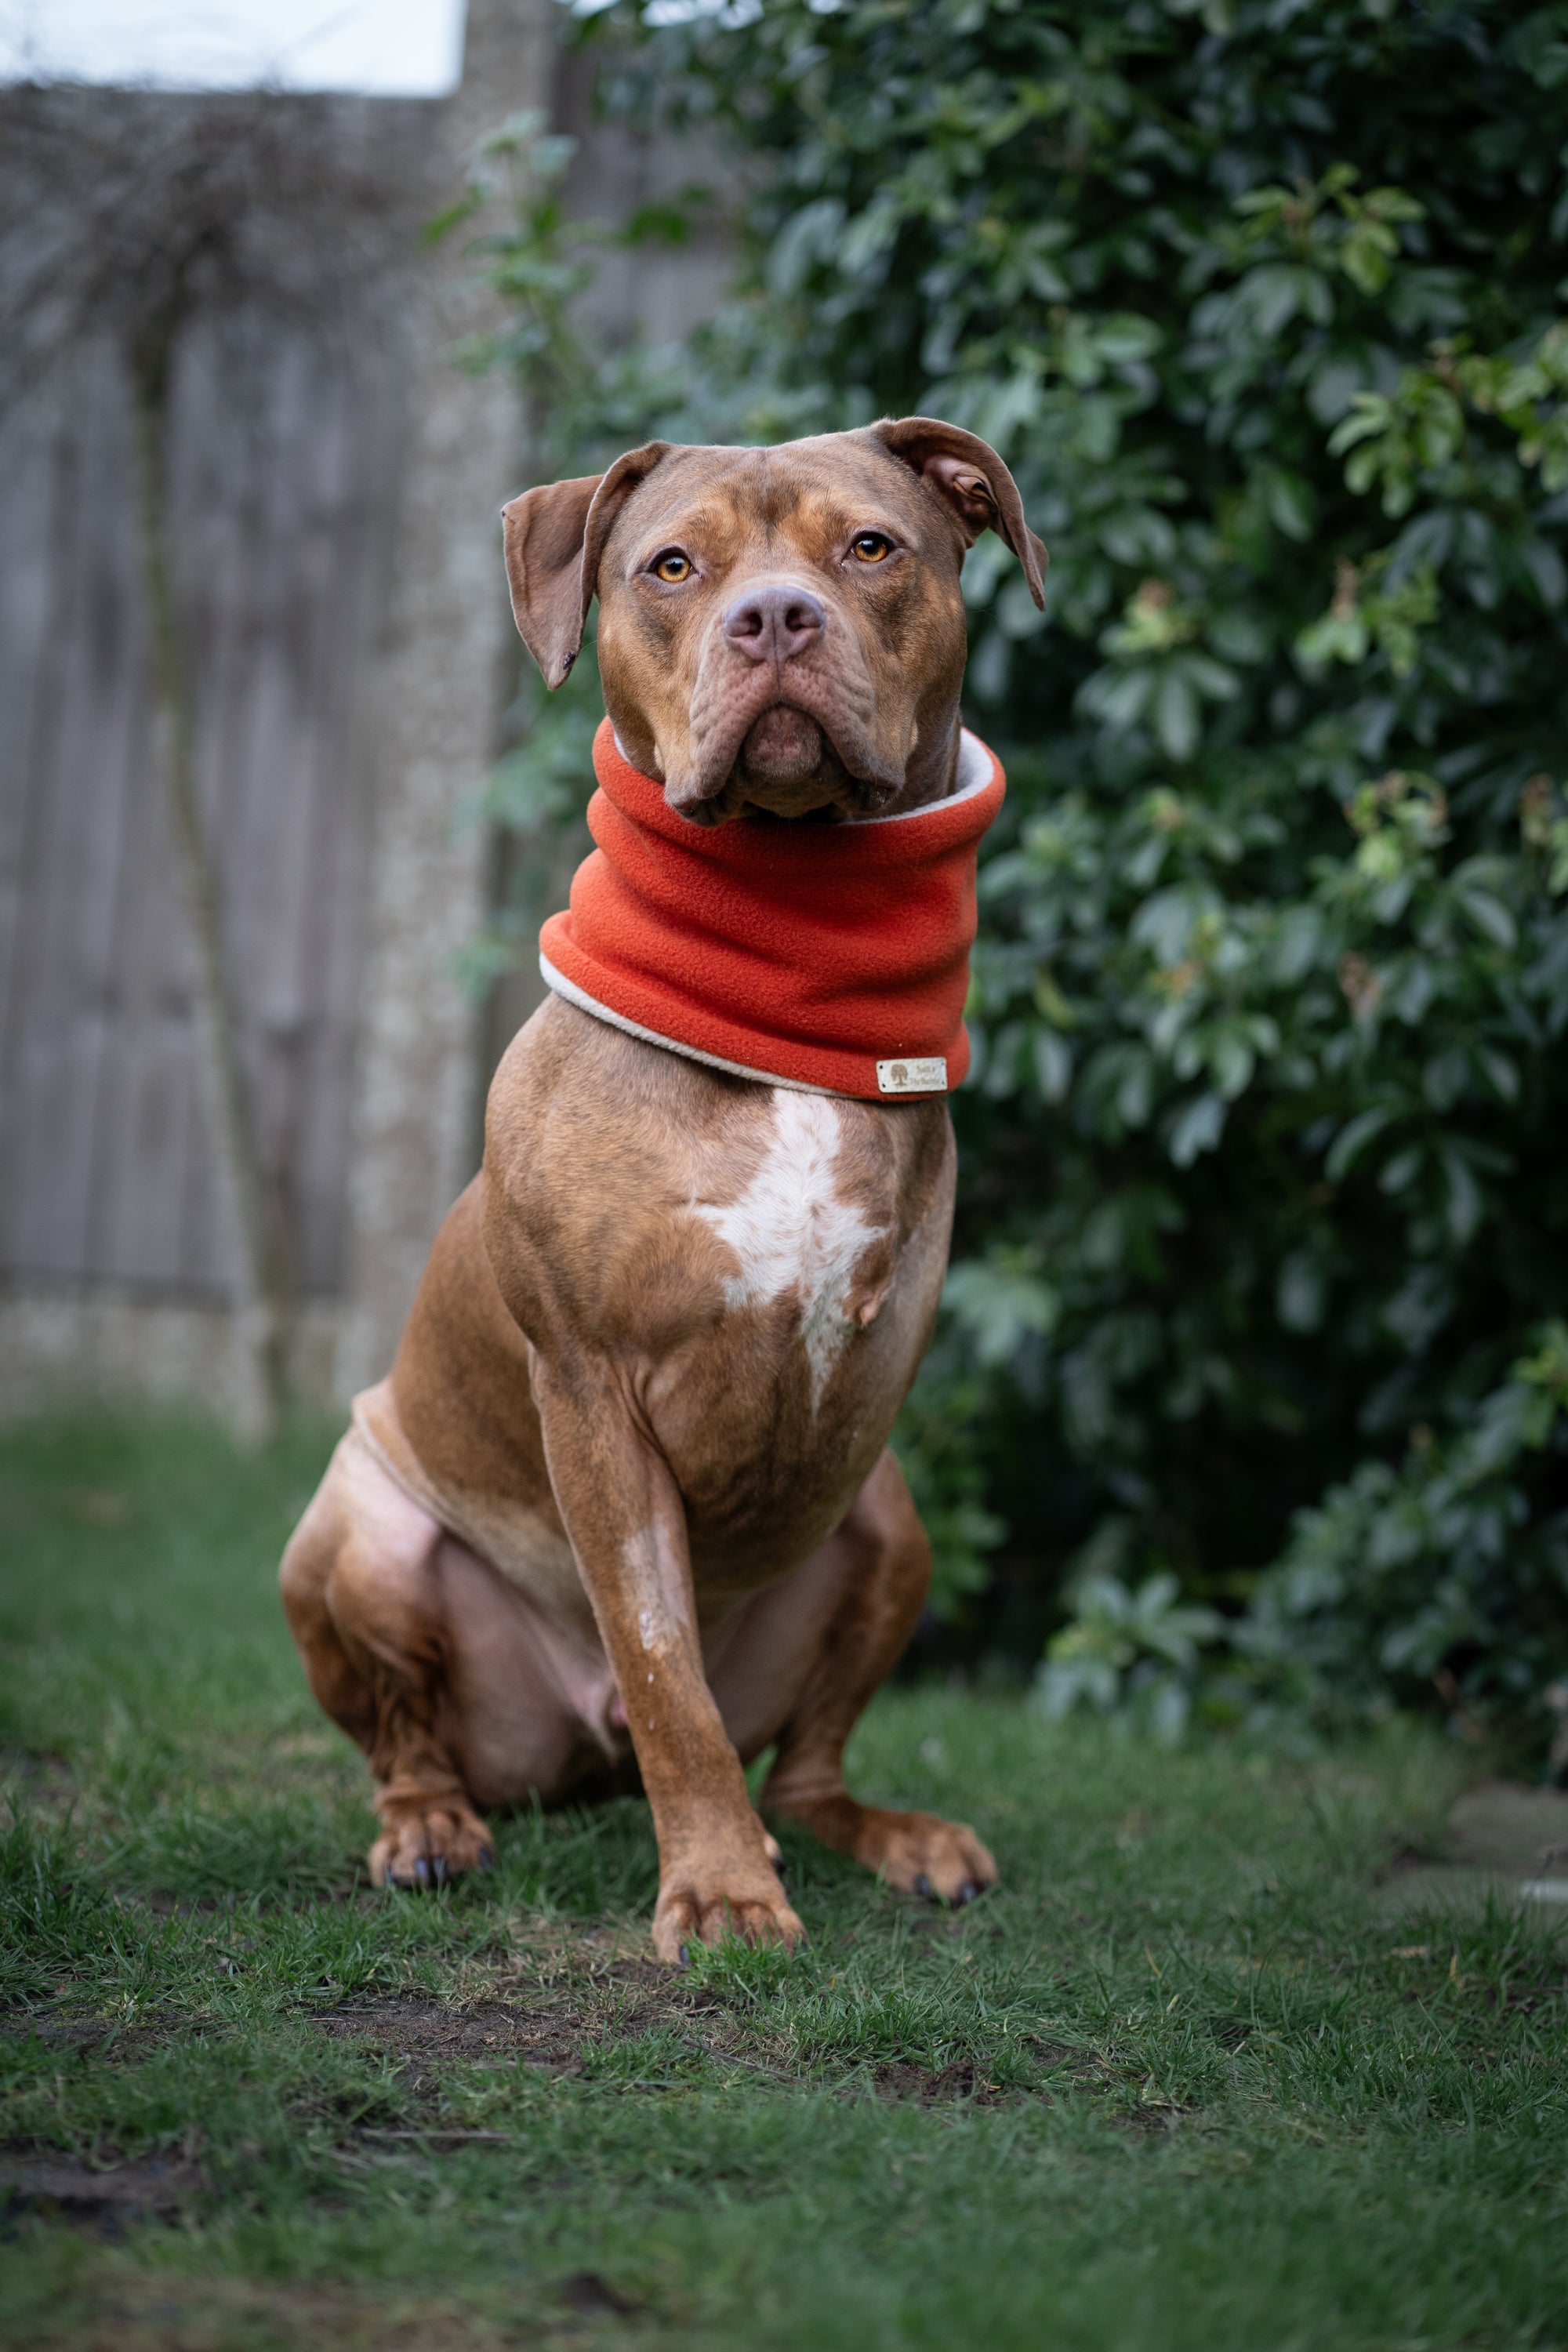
pixel 623 1506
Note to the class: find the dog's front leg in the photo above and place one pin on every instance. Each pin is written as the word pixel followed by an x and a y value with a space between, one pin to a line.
pixel 624 1514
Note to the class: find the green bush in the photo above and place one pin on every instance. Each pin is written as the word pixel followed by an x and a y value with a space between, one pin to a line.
pixel 1262 1190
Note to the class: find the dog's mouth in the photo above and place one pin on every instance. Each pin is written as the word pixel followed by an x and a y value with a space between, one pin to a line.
pixel 784 746
pixel 788 765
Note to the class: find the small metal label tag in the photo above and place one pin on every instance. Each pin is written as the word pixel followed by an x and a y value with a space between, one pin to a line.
pixel 924 1076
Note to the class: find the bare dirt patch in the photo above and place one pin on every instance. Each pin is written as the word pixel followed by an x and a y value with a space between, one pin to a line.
pixel 75 2035
pixel 427 2034
pixel 171 2314
pixel 560 2027
pixel 924 2086
pixel 592 2297
pixel 43 1785
pixel 557 2025
pixel 104 2197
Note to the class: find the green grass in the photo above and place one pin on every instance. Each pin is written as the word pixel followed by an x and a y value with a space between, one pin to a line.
pixel 1174 2084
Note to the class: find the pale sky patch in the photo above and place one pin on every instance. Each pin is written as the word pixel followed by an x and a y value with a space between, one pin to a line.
pixel 384 48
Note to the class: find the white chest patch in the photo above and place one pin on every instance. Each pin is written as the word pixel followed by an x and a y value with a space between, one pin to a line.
pixel 791 1234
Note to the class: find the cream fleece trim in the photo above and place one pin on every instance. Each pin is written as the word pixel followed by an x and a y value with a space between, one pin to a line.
pixel 973 776
pixel 586 1004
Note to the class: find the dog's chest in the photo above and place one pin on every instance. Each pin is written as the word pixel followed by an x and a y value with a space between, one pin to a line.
pixel 808 1222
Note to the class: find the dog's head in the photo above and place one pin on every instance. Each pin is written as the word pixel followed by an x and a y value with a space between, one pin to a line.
pixel 777 627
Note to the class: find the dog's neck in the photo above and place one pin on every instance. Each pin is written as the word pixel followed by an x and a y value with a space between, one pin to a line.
pixel 933 773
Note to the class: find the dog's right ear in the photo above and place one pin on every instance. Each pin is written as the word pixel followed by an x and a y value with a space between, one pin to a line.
pixel 544 531
pixel 554 538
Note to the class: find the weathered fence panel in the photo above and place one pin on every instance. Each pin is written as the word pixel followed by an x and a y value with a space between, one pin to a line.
pixel 283 460
pixel 329 498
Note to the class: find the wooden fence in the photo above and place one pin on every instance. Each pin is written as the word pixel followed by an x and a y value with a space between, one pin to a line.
pixel 282 445
pixel 329 497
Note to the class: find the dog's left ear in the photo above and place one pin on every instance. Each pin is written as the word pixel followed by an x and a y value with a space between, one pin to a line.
pixel 972 483
pixel 554 538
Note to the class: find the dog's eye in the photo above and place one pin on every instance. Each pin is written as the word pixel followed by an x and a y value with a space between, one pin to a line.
pixel 671 565
pixel 871 547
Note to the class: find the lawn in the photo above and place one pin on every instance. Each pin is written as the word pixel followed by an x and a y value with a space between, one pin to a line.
pixel 1178 2083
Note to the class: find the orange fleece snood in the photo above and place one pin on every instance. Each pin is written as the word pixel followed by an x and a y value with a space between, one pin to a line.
pixel 831 957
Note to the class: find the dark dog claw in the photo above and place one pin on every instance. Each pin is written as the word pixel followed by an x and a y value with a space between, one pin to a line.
pixel 923 1886
pixel 422 1872
pixel 439 1870
pixel 487 1859
pixel 968 1891
pixel 685 1955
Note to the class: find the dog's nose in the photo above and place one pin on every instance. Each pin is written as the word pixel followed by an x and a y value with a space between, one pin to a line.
pixel 774 624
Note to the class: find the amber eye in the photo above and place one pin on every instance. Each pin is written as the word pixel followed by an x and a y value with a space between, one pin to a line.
pixel 671 565
pixel 871 547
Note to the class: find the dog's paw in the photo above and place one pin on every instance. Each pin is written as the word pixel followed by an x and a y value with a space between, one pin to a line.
pixel 695 1907
pixel 427 1846
pixel 919 1853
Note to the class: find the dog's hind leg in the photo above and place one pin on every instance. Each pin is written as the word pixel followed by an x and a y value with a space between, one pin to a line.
pixel 828 1636
pixel 362 1592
